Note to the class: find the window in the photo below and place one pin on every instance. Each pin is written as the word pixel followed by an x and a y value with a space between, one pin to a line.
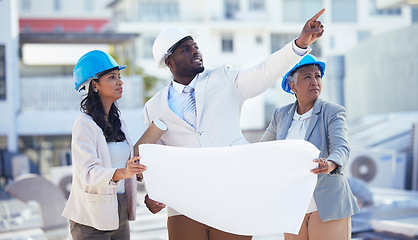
pixel 384 11
pixel 57 5
pixel 158 10
pixel 256 5
pixel 26 29
pixel 300 10
pixel 258 40
pixel 147 43
pixel 25 5
pixel 2 72
pixel 344 10
pixel 3 143
pixel 280 40
pixel 362 35
pixel 414 14
pixel 331 42
pixel 58 29
pixel 88 5
pixel 230 8
pixel 227 43
pixel 89 29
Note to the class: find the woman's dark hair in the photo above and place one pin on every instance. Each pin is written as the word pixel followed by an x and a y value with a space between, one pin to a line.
pixel 93 106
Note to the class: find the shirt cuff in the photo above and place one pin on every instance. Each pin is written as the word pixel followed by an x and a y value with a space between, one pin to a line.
pixel 299 51
pixel 114 183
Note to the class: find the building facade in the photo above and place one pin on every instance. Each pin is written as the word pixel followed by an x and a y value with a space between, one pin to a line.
pixel 39 46
pixel 244 32
pixel 40 101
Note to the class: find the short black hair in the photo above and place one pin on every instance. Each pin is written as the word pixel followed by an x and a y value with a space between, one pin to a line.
pixel 101 74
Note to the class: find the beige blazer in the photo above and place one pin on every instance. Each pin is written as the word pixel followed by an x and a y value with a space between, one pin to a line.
pixel 220 94
pixel 93 200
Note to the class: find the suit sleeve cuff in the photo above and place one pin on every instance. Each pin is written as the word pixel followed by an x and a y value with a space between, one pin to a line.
pixel 299 51
pixel 337 170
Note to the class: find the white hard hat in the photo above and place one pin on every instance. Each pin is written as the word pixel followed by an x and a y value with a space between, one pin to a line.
pixel 164 41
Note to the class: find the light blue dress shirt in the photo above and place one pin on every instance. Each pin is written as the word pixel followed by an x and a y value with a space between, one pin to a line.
pixel 177 98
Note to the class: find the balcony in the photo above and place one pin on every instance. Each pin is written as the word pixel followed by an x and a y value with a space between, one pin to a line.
pixel 49 105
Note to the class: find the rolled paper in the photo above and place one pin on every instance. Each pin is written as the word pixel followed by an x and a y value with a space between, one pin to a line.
pixel 153 132
pixel 151 135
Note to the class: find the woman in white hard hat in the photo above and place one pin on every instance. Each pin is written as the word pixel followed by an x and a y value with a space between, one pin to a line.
pixel 328 216
pixel 105 171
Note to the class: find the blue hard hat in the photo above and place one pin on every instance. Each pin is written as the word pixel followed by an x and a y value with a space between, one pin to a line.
pixel 90 64
pixel 307 60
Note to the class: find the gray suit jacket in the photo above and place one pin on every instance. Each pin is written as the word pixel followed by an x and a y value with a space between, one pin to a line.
pixel 327 130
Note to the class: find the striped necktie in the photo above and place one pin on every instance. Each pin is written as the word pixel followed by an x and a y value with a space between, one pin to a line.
pixel 190 107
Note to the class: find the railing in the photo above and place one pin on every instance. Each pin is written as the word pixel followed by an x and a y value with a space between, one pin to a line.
pixel 57 93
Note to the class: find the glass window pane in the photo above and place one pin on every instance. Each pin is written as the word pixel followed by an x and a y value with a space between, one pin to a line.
pixel 414 14
pixel 384 11
pixel 256 5
pixel 230 8
pixel 2 72
pixel 158 10
pixel 147 43
pixel 25 5
pixel 57 5
pixel 227 42
pixel 300 10
pixel 280 40
pixel 344 10
pixel 88 5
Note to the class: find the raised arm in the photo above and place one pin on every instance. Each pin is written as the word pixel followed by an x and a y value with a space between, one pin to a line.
pixel 255 80
pixel 312 30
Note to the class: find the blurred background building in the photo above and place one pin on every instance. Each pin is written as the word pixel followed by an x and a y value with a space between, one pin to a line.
pixel 369 47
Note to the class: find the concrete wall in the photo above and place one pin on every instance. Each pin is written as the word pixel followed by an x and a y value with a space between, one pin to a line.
pixel 10 39
pixel 44 9
pixel 382 74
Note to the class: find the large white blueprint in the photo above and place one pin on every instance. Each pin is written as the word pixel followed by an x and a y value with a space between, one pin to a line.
pixel 252 189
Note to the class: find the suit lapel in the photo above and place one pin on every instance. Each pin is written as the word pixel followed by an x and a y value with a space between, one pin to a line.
pixel 200 90
pixel 314 118
pixel 287 122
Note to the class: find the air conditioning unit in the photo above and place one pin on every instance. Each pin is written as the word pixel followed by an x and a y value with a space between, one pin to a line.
pixel 378 167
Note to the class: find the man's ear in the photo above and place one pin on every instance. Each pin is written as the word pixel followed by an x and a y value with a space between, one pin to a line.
pixel 168 62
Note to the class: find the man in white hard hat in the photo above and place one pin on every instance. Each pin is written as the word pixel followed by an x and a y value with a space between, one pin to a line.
pixel 201 108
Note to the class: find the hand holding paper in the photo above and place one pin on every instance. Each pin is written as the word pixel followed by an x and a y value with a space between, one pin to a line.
pixel 222 187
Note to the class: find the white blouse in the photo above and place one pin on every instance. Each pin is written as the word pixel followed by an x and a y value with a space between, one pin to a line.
pixel 119 155
pixel 298 130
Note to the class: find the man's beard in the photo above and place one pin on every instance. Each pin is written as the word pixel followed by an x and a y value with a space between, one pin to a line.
pixel 199 70
pixel 192 73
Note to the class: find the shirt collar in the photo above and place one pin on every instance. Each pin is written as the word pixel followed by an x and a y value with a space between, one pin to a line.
pixel 304 116
pixel 179 87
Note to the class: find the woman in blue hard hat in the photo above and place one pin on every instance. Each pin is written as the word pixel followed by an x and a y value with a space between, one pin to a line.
pixel 328 216
pixel 105 171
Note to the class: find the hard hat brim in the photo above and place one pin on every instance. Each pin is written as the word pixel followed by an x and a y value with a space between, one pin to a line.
pixel 85 85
